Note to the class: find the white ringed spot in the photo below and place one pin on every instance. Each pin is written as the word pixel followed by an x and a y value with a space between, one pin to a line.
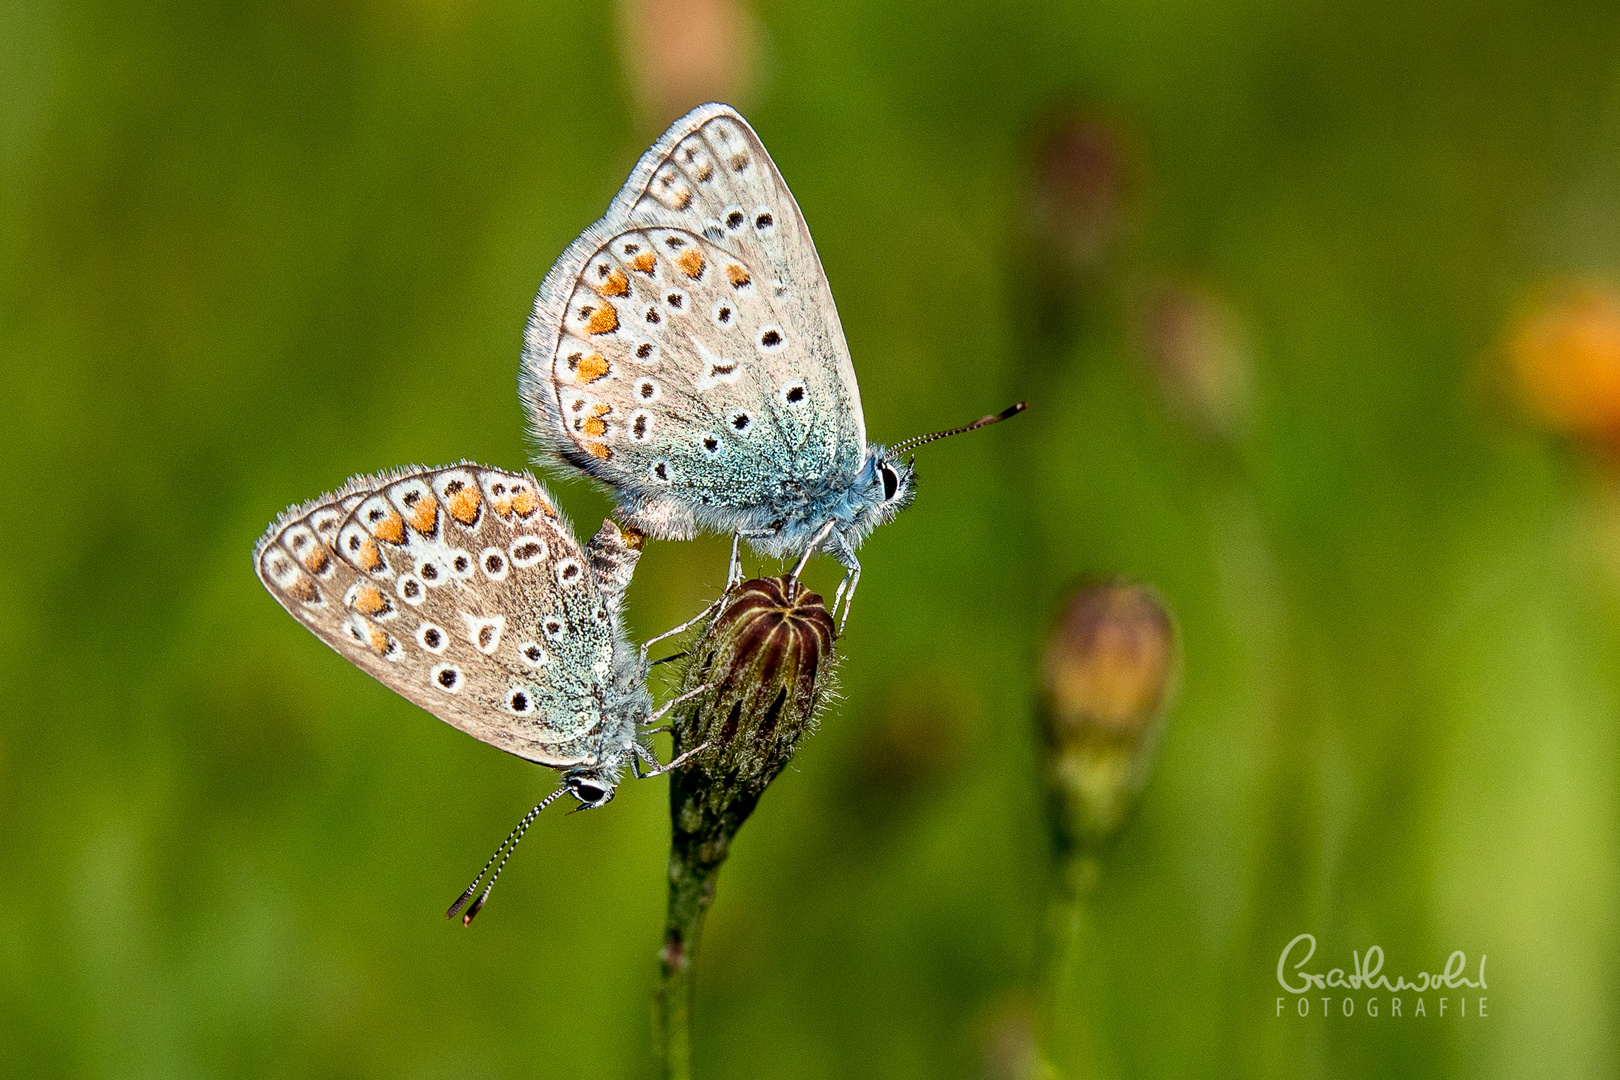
pixel 446 677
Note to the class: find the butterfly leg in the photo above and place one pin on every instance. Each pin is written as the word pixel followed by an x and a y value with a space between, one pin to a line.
pixel 846 588
pixel 681 629
pixel 668 705
pixel 641 752
pixel 810 549
pixel 734 576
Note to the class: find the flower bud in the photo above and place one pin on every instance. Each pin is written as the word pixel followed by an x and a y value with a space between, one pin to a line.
pixel 680 53
pixel 1081 176
pixel 766 660
pixel 1199 352
pixel 1105 679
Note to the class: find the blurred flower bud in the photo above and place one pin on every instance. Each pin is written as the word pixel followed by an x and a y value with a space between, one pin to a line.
pixel 1199 352
pixel 767 660
pixel 1008 1045
pixel 679 54
pixel 1564 349
pixel 1080 180
pixel 1105 680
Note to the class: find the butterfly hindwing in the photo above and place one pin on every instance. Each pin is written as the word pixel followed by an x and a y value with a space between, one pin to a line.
pixel 686 348
pixel 464 591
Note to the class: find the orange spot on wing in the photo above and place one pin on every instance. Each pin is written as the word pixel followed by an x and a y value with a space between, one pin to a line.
pixel 616 284
pixel 683 199
pixel 464 505
pixel 379 641
pixel 592 368
pixel 369 600
pixel 525 502
pixel 603 320
pixel 737 276
pixel 316 561
pixel 391 529
pixel 368 557
pixel 644 262
pixel 691 263
pixel 598 450
pixel 601 408
pixel 425 514
pixel 595 428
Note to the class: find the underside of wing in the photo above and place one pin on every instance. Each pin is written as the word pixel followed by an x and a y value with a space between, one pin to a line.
pixel 464 591
pixel 697 304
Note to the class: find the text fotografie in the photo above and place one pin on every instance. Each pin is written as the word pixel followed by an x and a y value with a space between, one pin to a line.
pixel 1366 973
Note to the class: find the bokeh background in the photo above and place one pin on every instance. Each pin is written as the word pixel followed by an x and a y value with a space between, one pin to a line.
pixel 1312 303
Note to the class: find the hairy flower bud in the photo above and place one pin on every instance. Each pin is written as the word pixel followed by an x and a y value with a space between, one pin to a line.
pixel 1105 679
pixel 765 659
pixel 763 666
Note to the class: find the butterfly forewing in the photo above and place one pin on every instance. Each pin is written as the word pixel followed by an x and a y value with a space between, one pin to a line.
pixel 461 589
pixel 686 348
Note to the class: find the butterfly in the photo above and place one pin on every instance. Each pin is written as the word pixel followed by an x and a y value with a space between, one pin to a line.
pixel 685 351
pixel 464 590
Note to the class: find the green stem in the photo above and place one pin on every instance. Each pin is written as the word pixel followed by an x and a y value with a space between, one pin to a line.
pixel 691 891
pixel 757 664
pixel 1074 879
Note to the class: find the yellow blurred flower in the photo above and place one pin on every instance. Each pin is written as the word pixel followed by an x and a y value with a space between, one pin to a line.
pixel 1565 352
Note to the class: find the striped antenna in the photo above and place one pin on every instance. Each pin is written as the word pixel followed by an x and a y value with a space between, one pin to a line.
pixel 983 421
pixel 502 853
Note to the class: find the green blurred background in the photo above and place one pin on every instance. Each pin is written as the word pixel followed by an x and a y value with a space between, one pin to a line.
pixel 1254 288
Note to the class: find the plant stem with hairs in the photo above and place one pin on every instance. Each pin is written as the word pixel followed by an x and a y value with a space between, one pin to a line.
pixel 765 661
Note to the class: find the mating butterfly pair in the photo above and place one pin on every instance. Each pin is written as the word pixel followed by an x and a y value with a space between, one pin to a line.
pixel 684 351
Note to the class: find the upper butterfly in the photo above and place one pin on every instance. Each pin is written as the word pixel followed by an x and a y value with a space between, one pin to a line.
pixel 685 351
pixel 465 591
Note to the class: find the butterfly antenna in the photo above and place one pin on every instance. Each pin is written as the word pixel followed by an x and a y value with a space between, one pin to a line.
pixel 983 421
pixel 502 853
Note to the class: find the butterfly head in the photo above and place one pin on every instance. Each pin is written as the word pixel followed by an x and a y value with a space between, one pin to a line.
pixel 886 483
pixel 591 789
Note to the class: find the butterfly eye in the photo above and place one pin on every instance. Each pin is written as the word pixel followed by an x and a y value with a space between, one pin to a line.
pixel 588 793
pixel 891 482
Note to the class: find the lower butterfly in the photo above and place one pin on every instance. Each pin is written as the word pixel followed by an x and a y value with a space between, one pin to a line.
pixel 464 590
